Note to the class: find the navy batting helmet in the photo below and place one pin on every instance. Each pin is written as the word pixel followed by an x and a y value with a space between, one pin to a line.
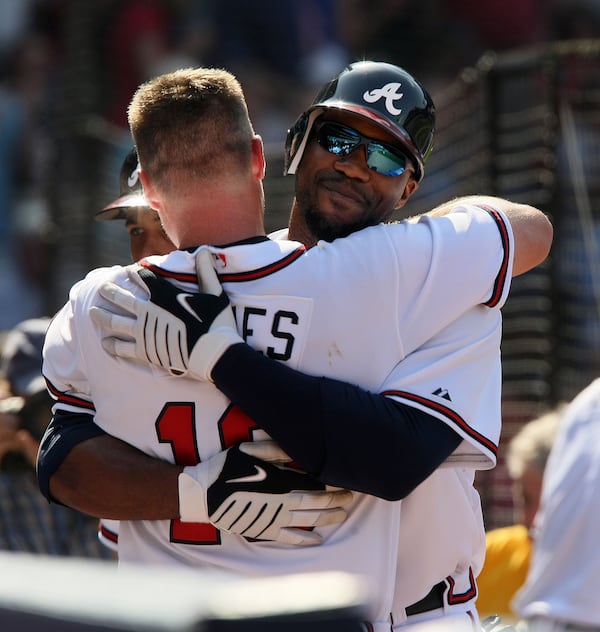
pixel 381 92
pixel 131 193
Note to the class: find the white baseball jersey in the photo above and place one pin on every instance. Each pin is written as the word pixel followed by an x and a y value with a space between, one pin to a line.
pixel 353 310
pixel 564 574
pixel 442 533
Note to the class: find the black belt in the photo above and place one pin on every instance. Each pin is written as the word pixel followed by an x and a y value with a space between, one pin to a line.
pixel 433 600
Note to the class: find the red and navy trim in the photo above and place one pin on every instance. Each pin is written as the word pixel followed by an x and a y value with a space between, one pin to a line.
pixel 500 281
pixel 179 276
pixel 230 277
pixel 108 534
pixel 65 398
pixel 447 412
pixel 456 598
pixel 251 275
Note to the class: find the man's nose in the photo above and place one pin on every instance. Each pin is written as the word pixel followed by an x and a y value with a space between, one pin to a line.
pixel 354 164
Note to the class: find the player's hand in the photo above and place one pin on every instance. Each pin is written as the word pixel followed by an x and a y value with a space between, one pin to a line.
pixel 185 333
pixel 241 494
pixel 267 450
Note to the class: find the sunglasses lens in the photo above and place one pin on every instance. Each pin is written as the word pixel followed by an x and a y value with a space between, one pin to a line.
pixel 336 139
pixel 341 141
pixel 382 160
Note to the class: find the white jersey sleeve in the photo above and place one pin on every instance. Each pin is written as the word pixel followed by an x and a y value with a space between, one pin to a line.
pixel 64 361
pixel 464 259
pixel 456 376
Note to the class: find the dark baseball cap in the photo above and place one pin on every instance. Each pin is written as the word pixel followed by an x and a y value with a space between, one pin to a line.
pixel 21 363
pixel 131 192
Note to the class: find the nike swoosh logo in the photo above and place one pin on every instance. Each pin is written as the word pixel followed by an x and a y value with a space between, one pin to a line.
pixel 182 300
pixel 260 475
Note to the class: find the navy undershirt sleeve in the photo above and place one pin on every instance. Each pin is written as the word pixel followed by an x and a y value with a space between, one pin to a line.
pixel 338 432
pixel 64 432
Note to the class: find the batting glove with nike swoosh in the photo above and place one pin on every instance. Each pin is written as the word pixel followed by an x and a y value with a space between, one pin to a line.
pixel 182 332
pixel 241 494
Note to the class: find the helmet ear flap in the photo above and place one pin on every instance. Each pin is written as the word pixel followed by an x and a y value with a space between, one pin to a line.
pixel 297 137
pixel 293 139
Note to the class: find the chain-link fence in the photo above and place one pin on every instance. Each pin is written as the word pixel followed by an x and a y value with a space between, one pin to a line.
pixel 525 125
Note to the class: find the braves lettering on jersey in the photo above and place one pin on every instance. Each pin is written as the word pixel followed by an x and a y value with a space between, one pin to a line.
pixel 398 309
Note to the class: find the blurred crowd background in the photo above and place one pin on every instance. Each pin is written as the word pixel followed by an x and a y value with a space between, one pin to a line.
pixel 517 117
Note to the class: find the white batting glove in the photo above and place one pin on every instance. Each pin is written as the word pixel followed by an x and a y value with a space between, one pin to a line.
pixel 267 450
pixel 241 494
pixel 182 332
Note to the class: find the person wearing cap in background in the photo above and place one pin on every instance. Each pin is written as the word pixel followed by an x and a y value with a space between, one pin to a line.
pixel 21 370
pixel 380 175
pixel 146 237
pixel 146 234
pixel 28 523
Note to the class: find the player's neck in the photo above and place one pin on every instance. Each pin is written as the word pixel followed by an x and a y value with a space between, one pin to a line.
pixel 219 234
pixel 216 219
pixel 298 229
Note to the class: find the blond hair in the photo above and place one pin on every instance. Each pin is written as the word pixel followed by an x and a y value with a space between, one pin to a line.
pixel 192 122
pixel 531 446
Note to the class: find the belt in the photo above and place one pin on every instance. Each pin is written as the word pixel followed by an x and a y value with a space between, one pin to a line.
pixel 433 600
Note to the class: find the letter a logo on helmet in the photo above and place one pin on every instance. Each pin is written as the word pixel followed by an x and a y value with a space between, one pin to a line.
pixel 390 93
pixel 383 93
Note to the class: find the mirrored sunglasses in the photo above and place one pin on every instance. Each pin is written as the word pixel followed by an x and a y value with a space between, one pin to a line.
pixel 341 140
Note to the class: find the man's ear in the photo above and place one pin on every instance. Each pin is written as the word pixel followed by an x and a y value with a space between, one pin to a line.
pixel 411 186
pixel 150 193
pixel 259 163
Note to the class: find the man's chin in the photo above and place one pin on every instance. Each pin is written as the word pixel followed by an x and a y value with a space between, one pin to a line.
pixel 328 228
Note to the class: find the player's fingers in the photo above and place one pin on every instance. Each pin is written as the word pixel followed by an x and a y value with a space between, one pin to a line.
pixel 323 499
pixel 318 518
pixel 299 537
pixel 265 450
pixel 100 316
pixel 115 323
pixel 118 347
pixel 207 277
pixel 118 296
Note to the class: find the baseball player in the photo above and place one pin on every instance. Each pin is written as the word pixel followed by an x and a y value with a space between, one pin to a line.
pixel 147 237
pixel 326 260
pixel 146 234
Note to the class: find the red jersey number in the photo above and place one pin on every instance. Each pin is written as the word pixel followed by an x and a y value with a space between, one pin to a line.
pixel 176 425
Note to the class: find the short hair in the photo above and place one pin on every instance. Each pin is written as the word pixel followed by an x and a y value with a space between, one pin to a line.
pixel 531 446
pixel 193 121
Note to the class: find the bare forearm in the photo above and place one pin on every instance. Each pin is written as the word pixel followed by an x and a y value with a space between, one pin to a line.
pixel 108 478
pixel 532 230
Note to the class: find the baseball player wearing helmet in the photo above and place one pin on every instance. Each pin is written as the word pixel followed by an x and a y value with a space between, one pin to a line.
pixel 146 237
pixel 146 234
pixel 283 264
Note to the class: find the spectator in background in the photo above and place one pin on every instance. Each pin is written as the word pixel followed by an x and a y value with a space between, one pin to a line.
pixel 508 549
pixel 561 590
pixel 28 523
pixel 25 226
pixel 281 52
pixel 136 40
